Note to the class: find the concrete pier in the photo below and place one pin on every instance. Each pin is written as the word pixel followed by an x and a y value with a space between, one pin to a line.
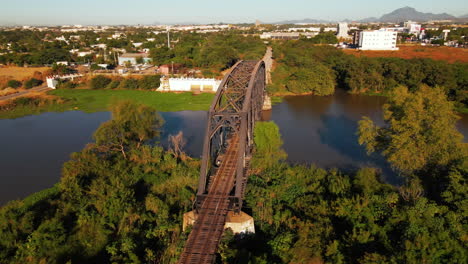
pixel 267 103
pixel 239 223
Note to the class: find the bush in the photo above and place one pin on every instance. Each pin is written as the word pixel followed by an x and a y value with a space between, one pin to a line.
pixel 100 82
pixel 67 85
pixel 113 85
pixel 14 84
pixel 130 84
pixel 33 82
pixel 150 82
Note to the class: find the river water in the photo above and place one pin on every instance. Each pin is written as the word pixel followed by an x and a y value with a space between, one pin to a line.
pixel 319 130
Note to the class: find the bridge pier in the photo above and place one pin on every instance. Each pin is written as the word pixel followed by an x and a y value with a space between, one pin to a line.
pixel 240 223
pixel 266 103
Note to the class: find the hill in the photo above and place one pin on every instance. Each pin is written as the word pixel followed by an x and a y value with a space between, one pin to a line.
pixel 396 16
pixel 409 13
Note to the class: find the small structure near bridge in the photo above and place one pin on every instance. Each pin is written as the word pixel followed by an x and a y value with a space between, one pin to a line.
pixel 196 85
pixel 52 81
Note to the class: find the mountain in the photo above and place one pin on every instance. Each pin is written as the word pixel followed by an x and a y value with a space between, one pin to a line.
pixel 399 15
pixel 409 13
pixel 464 16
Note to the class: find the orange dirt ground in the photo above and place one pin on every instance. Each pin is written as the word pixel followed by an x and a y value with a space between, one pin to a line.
pixel 448 54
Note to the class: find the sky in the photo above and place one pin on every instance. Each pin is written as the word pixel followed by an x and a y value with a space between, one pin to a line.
pixel 132 12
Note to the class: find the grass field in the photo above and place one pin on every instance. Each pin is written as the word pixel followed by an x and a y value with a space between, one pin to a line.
pixel 448 54
pixel 99 100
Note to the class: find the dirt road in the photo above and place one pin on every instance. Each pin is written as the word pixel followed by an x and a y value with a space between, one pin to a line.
pixel 23 93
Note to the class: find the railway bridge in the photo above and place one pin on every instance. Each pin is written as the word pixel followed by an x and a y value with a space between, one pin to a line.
pixel 226 157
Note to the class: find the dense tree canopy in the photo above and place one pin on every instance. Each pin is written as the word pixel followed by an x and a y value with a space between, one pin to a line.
pixel 421 130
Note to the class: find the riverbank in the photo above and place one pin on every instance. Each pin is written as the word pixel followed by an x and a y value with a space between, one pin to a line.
pixel 91 101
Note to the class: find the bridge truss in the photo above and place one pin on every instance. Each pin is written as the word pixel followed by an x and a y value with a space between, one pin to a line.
pixel 226 157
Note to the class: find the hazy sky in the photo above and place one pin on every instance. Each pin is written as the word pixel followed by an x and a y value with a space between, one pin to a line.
pixel 46 12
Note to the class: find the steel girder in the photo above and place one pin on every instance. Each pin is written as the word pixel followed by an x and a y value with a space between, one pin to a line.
pixel 235 109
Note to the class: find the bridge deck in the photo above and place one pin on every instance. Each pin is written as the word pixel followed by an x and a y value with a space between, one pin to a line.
pixel 208 228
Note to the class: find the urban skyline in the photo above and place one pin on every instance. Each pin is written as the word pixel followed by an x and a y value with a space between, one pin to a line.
pixel 119 12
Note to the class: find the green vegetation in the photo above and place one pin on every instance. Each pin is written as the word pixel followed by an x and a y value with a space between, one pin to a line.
pixel 304 68
pixel 14 84
pixel 106 208
pixel 121 200
pixel 33 82
pixel 300 71
pixel 420 130
pixel 99 100
pixel 99 82
pixel 24 106
pixel 147 82
pixel 212 51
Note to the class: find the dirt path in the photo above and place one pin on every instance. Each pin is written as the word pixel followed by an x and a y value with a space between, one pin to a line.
pixel 24 93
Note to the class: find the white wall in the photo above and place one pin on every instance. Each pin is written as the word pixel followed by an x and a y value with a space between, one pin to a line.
pixel 186 84
pixel 377 40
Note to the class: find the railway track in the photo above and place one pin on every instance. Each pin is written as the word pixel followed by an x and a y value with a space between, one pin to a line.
pixel 208 228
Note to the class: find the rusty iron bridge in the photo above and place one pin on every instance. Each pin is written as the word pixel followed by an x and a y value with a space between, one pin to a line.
pixel 226 157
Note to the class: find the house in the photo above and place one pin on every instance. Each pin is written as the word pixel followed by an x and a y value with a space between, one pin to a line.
pixel 189 85
pixel 133 58
pixel 170 68
pixel 137 44
pixel 84 53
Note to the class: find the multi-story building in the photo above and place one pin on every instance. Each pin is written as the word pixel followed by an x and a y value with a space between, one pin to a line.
pixel 342 30
pixel 377 40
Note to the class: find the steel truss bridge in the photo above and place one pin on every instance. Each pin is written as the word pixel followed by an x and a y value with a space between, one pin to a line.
pixel 226 157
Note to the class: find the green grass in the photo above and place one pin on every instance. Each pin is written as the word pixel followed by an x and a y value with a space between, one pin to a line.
pixel 99 100
pixel 90 101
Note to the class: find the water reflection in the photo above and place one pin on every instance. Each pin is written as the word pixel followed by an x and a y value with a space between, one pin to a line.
pixel 319 130
pixel 34 148
pixel 322 130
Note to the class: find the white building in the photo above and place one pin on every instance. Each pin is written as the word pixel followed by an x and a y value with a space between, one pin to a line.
pixel 305 29
pixel 330 29
pixel 133 58
pixel 287 35
pixel 342 30
pixel 412 27
pixel 189 85
pixel 377 40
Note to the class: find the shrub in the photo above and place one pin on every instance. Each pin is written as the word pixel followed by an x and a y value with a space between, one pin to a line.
pixel 100 82
pixel 130 84
pixel 150 82
pixel 67 85
pixel 33 82
pixel 14 84
pixel 113 85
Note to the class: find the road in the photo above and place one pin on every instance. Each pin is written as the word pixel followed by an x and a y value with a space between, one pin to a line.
pixel 23 93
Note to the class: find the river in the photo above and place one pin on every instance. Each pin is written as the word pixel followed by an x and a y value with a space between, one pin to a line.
pixel 319 130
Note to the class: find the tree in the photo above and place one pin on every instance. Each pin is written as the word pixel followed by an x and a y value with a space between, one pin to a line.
pixel 268 145
pixel 33 82
pixel 131 125
pixel 100 82
pixel 420 130
pixel 14 84
pixel 150 82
